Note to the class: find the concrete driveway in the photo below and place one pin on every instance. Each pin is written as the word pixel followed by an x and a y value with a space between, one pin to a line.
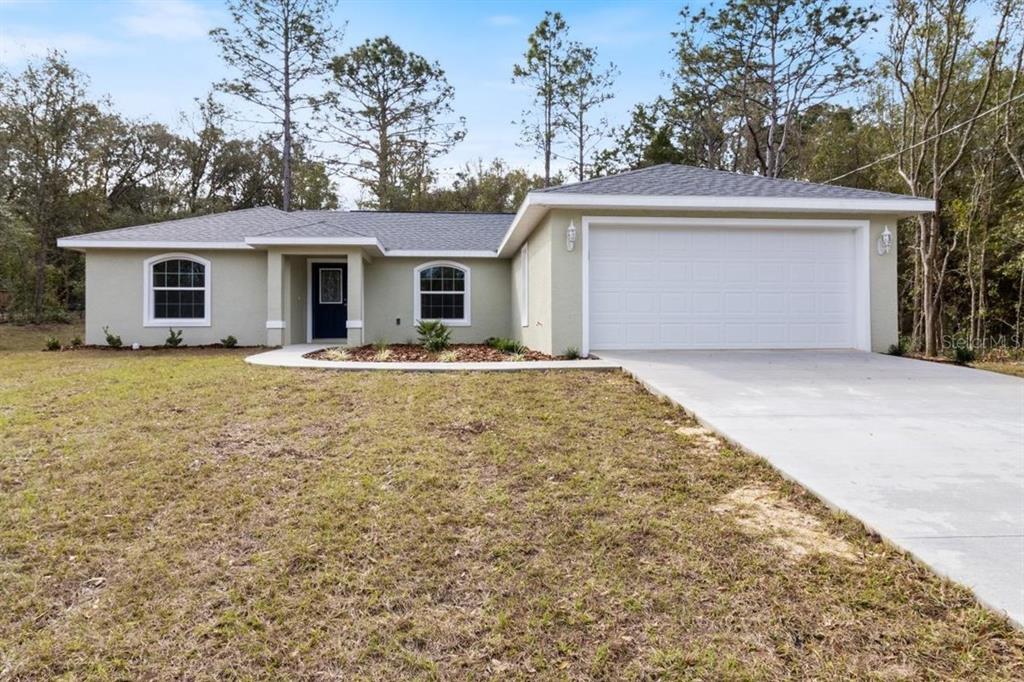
pixel 930 456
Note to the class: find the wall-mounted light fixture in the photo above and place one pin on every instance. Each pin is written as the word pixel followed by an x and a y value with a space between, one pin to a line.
pixel 885 242
pixel 570 236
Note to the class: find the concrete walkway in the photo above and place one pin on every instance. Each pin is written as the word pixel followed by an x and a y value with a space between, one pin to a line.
pixel 291 356
pixel 930 456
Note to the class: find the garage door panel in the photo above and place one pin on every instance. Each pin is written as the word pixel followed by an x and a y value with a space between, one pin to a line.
pixel 715 288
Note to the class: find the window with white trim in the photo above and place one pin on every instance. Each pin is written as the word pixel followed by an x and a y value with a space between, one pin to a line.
pixel 177 291
pixel 524 286
pixel 441 291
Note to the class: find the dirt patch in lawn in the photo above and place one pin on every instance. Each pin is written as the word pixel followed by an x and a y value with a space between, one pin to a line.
pixel 407 352
pixel 763 512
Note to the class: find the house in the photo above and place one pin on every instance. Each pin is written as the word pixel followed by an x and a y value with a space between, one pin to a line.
pixel 664 257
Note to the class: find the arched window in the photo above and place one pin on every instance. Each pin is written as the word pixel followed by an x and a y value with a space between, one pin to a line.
pixel 177 291
pixel 441 292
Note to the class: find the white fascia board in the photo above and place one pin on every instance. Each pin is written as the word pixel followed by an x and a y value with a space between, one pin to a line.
pixel 440 254
pixel 313 241
pixel 727 203
pixel 537 203
pixel 72 243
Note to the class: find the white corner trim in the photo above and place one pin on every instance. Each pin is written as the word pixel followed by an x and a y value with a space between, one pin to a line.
pixel 73 243
pixel 148 319
pixel 467 303
pixel 275 324
pixel 524 284
pixel 862 264
pixel 354 324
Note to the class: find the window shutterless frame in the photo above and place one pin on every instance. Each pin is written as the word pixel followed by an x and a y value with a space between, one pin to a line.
pixel 149 318
pixel 465 320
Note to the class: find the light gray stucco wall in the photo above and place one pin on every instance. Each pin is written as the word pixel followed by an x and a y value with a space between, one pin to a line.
pixel 556 295
pixel 114 292
pixel 537 334
pixel 388 292
pixel 296 293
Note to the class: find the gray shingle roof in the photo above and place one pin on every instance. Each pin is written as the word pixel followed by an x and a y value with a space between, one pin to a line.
pixel 676 180
pixel 395 231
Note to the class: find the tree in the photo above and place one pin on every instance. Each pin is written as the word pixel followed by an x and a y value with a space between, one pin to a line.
pixel 491 188
pixel 586 88
pixel 391 111
pixel 277 45
pixel 544 71
pixel 767 61
pixel 942 80
pixel 51 138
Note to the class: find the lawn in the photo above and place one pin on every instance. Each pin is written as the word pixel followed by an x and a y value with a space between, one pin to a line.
pixel 182 515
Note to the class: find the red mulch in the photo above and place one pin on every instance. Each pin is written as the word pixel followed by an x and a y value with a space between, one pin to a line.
pixel 405 352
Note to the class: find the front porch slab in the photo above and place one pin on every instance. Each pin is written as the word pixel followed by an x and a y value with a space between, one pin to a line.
pixel 292 356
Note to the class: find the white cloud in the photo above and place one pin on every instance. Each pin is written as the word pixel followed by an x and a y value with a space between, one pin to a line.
pixel 21 44
pixel 503 20
pixel 168 19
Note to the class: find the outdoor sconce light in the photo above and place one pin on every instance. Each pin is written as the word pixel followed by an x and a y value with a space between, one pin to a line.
pixel 570 236
pixel 885 242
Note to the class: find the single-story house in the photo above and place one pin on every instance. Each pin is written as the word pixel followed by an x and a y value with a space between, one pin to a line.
pixel 660 258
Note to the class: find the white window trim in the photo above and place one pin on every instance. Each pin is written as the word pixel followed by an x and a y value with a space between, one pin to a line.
pixel 148 302
pixel 467 303
pixel 524 285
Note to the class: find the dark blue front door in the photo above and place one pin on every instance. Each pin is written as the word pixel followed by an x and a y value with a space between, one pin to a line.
pixel 329 294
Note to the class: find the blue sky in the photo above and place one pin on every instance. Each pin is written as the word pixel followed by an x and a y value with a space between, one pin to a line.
pixel 154 56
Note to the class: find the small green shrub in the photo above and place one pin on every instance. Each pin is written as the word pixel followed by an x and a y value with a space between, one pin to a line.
pixel 435 336
pixel 52 343
pixel 76 341
pixel 383 355
pixel 900 348
pixel 506 345
pixel 381 345
pixel 448 356
pixel 229 341
pixel 113 340
pixel 173 339
pixel 338 354
pixel 571 353
pixel 964 354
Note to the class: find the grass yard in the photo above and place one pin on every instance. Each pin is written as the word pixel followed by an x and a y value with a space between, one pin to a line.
pixel 185 516
pixel 1013 368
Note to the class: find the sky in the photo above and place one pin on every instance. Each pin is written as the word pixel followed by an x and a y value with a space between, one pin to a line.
pixel 154 57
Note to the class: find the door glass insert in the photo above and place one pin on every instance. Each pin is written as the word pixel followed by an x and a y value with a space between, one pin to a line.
pixel 330 285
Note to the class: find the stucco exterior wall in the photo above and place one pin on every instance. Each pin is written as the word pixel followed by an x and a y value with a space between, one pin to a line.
pixel 388 292
pixel 537 334
pixel 114 292
pixel 556 294
pixel 295 294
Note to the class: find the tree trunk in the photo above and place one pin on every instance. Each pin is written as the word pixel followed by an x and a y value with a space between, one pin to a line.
pixel 286 147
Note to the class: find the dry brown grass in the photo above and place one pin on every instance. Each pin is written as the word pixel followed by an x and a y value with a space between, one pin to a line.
pixel 180 515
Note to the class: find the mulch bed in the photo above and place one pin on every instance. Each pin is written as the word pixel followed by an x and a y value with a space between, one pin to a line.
pixel 405 352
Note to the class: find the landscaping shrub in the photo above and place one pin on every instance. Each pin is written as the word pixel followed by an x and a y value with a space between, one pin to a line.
pixel 448 356
pixel 173 339
pixel 964 354
pixel 381 345
pixel 229 341
pixel 572 353
pixel 506 345
pixel 338 354
pixel 52 343
pixel 76 341
pixel 900 348
pixel 113 340
pixel 383 355
pixel 435 336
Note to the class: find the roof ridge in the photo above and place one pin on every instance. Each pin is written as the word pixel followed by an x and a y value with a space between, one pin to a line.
pixel 613 175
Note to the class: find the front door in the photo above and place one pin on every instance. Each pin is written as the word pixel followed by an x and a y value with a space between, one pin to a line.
pixel 329 296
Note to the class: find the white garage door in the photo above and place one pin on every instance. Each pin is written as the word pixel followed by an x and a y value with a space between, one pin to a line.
pixel 721 288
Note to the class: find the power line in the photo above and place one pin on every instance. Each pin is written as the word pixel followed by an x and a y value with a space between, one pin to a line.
pixel 926 140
